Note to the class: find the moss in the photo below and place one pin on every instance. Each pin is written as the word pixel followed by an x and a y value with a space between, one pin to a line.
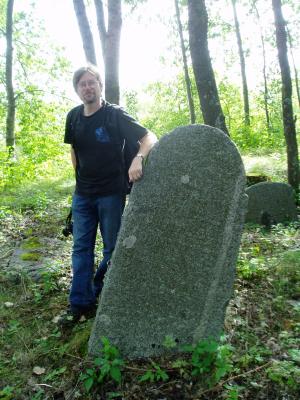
pixel 33 256
pixel 79 341
pixel 31 243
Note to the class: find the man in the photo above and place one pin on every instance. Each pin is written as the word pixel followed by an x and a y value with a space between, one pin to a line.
pixel 97 149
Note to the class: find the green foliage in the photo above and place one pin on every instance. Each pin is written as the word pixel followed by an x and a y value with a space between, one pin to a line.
pixel 287 271
pixel 32 256
pixel 169 342
pixel 210 360
pixel 40 106
pixel 131 103
pixel 31 243
pixel 168 107
pixel 255 355
pixel 255 268
pixel 7 393
pixel 155 374
pixel 108 366
pixel 53 375
pixel 285 373
pixel 232 392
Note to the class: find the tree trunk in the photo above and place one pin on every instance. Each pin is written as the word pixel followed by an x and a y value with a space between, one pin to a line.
pixel 204 75
pixel 266 90
pixel 287 106
pixel 110 43
pixel 85 31
pixel 294 65
pixel 185 67
pixel 11 103
pixel 242 64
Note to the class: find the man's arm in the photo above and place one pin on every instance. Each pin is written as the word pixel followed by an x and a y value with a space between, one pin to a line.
pixel 73 157
pixel 136 168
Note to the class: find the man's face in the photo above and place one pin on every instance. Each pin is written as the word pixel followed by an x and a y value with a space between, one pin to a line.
pixel 88 88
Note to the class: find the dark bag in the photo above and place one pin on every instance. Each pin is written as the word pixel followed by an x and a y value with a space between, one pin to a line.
pixel 68 229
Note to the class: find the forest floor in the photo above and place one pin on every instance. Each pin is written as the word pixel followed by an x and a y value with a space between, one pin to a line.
pixel 257 358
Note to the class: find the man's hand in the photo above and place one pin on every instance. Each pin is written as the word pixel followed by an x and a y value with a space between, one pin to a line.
pixel 135 171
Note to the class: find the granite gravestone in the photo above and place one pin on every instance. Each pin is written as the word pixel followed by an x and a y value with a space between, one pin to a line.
pixel 173 268
pixel 274 199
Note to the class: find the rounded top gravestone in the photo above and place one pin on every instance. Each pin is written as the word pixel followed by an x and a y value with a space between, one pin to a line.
pixel 274 199
pixel 173 267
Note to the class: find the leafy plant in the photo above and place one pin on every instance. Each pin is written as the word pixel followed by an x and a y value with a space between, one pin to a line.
pixel 55 373
pixel 254 355
pixel 169 342
pixel 108 366
pixel 251 269
pixel 232 392
pixel 210 360
pixel 288 271
pixel 285 373
pixel 7 393
pixel 155 374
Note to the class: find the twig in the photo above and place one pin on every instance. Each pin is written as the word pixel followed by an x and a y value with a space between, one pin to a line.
pixel 217 387
pixel 44 384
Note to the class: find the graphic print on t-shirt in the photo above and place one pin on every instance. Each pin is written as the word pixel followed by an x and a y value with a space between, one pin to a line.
pixel 102 135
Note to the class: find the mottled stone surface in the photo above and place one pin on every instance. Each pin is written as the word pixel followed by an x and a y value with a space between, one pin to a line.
pixel 173 267
pixel 274 198
pixel 34 260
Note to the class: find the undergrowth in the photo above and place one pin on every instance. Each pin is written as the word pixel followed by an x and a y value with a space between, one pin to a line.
pixel 257 358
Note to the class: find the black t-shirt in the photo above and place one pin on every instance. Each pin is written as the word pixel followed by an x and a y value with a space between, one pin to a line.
pixel 98 148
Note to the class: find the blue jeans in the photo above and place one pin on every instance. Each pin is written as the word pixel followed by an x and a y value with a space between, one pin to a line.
pixel 88 213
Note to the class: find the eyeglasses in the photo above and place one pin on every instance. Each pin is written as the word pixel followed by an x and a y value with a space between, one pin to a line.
pixel 89 83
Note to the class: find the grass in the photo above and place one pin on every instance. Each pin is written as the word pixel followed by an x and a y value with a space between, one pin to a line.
pixel 40 362
pixel 273 165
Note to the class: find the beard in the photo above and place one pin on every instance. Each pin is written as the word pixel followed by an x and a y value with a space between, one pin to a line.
pixel 90 98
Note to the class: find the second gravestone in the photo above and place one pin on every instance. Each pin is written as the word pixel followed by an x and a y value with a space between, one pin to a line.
pixel 173 267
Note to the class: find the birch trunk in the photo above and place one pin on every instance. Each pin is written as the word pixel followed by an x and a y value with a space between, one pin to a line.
pixel 11 103
pixel 85 31
pixel 185 67
pixel 242 64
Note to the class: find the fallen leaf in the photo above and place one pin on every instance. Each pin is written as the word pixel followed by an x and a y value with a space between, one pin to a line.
pixel 39 370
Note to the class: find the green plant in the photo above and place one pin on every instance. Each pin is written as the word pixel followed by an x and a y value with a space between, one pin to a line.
pixel 55 373
pixel 288 272
pixel 50 277
pixel 105 367
pixel 7 393
pixel 40 395
pixel 251 269
pixel 33 256
pixel 285 373
pixel 232 392
pixel 155 374
pixel 254 355
pixel 210 360
pixel 169 342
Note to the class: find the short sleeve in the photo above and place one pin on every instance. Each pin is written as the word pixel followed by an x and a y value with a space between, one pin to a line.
pixel 129 128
